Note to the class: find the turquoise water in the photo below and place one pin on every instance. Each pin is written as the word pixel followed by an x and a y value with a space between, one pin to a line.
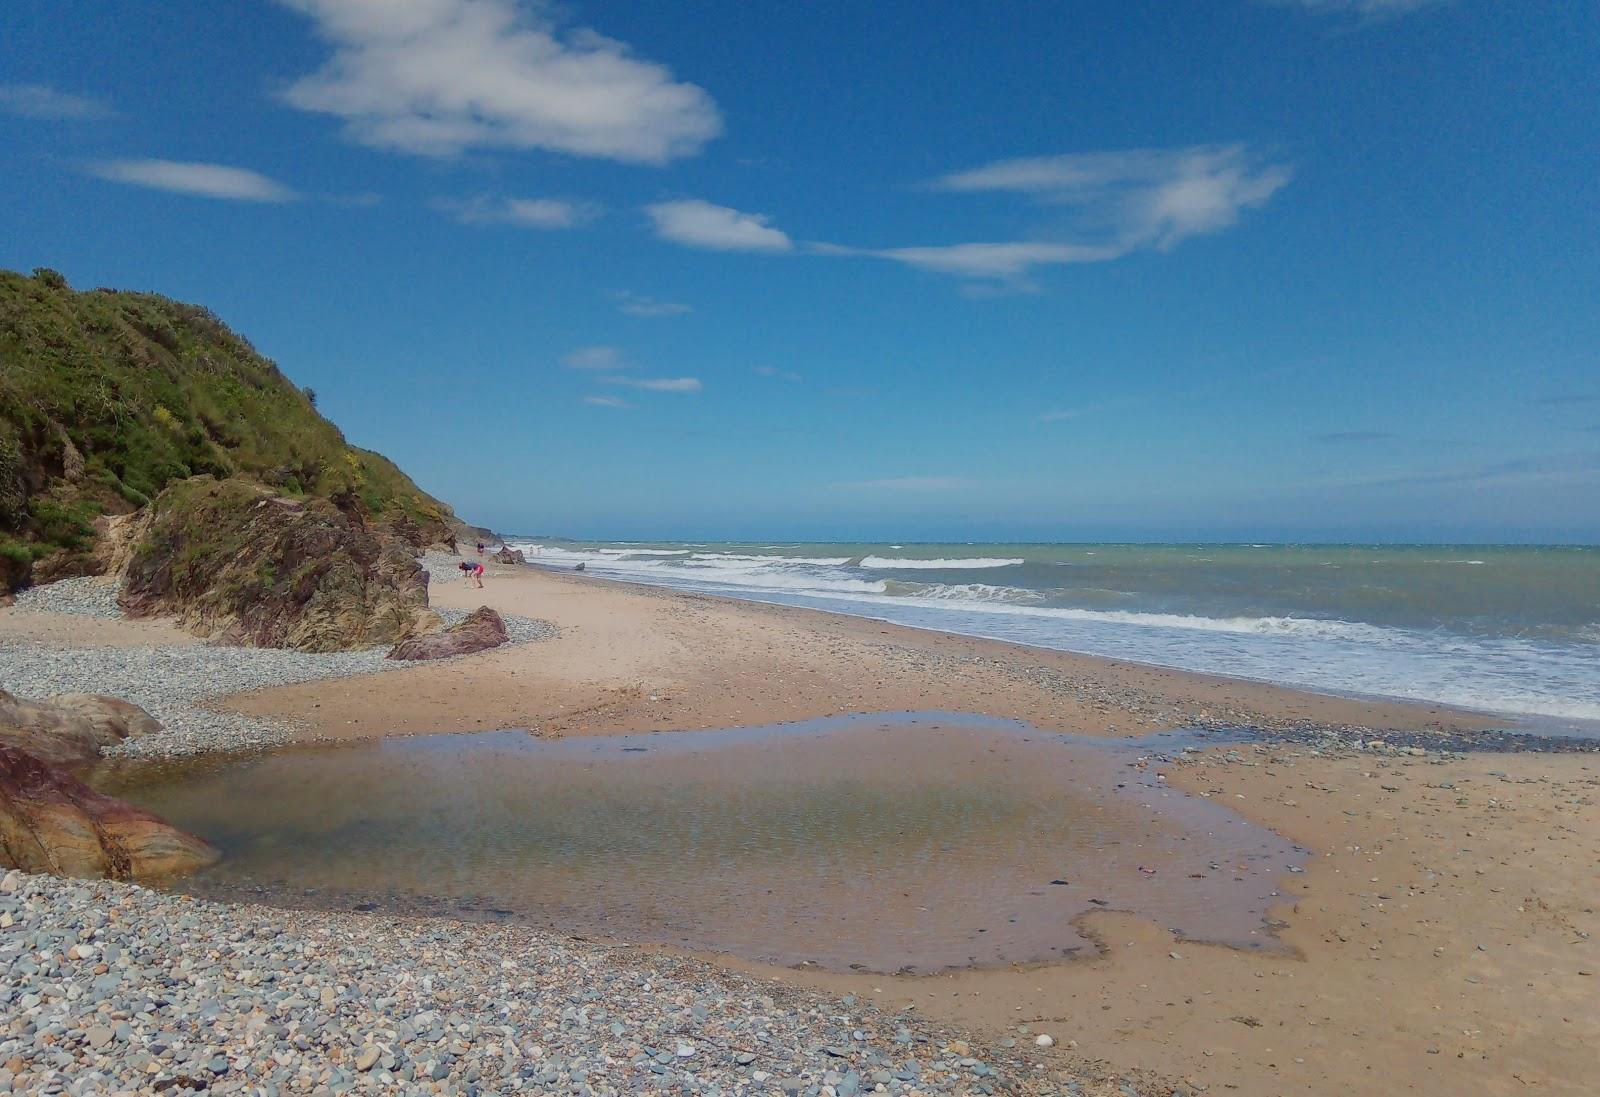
pixel 1513 630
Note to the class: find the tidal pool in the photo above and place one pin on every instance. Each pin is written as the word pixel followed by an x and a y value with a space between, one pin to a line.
pixel 889 842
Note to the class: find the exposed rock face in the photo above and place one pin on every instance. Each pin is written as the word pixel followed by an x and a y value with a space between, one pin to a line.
pixel 479 630
pixel 52 822
pixel 71 728
pixel 509 555
pixel 238 564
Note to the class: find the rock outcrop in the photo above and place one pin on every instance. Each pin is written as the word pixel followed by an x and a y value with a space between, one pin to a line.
pixel 71 728
pixel 238 564
pixel 509 555
pixel 52 822
pixel 479 630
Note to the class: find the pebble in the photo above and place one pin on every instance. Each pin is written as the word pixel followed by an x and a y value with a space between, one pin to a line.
pixel 173 683
pixel 233 1000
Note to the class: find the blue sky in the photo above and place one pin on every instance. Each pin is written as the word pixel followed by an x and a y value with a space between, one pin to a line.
pixel 1241 269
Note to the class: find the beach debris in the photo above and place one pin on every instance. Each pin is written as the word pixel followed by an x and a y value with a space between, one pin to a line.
pixel 1044 1039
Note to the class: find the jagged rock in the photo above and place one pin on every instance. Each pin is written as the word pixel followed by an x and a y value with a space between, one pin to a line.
pixel 479 630
pixel 509 555
pixel 238 564
pixel 71 728
pixel 52 822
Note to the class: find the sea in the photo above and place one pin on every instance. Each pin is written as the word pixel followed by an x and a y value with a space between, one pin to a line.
pixel 1508 630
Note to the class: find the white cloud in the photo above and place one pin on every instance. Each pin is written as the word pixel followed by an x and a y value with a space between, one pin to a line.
pixel 1120 202
pixel 914 484
pixel 47 104
pixel 609 358
pixel 438 77
pixel 701 224
pixel 535 213
pixel 607 401
pixel 657 384
pixel 636 304
pixel 1115 203
pixel 205 180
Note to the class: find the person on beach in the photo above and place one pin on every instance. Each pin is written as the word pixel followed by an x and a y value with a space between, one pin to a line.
pixel 473 572
pixel 480 548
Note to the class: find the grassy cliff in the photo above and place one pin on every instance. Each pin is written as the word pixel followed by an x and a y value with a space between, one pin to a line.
pixel 107 396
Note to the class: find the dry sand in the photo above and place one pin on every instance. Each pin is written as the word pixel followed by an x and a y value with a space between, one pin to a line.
pixel 1443 936
pixel 633 658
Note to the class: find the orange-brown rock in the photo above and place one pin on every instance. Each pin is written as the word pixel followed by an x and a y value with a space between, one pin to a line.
pixel 480 629
pixel 52 822
pixel 74 727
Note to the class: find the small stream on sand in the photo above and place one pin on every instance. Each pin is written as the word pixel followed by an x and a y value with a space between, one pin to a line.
pixel 881 842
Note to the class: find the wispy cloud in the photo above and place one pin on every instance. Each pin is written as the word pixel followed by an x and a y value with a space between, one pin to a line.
pixel 657 384
pixel 774 371
pixel 1116 203
pixel 1352 437
pixel 607 401
pixel 598 358
pixel 534 213
pixel 439 77
pixel 1559 468
pixel 701 224
pixel 203 180
pixel 913 484
pixel 1369 9
pixel 637 304
pixel 42 102
pixel 1104 205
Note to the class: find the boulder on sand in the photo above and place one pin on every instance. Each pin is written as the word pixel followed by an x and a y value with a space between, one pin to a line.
pixel 71 728
pixel 52 822
pixel 479 630
pixel 509 555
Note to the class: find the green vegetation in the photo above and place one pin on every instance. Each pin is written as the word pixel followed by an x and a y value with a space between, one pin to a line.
pixel 106 397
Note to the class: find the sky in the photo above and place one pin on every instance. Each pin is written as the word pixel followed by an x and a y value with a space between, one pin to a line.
pixel 934 270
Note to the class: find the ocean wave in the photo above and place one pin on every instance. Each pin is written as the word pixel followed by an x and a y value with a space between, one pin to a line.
pixel 891 563
pixel 963 592
pixel 810 561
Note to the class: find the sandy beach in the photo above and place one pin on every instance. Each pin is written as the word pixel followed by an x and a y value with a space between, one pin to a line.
pixel 633 658
pixel 1440 939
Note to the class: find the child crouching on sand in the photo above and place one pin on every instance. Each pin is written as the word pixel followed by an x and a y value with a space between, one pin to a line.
pixel 473 571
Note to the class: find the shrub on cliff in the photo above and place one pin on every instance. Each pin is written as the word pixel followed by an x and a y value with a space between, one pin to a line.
pixel 106 397
pixel 237 563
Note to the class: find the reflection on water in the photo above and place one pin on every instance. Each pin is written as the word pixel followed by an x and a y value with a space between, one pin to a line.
pixel 909 841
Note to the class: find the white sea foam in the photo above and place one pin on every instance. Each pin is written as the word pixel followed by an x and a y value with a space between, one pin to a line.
pixel 887 563
pixel 1502 674
pixel 817 561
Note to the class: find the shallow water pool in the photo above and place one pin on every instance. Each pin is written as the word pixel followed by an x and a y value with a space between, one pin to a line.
pixel 885 842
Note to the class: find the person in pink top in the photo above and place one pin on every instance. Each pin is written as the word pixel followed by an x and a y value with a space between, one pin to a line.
pixel 473 571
